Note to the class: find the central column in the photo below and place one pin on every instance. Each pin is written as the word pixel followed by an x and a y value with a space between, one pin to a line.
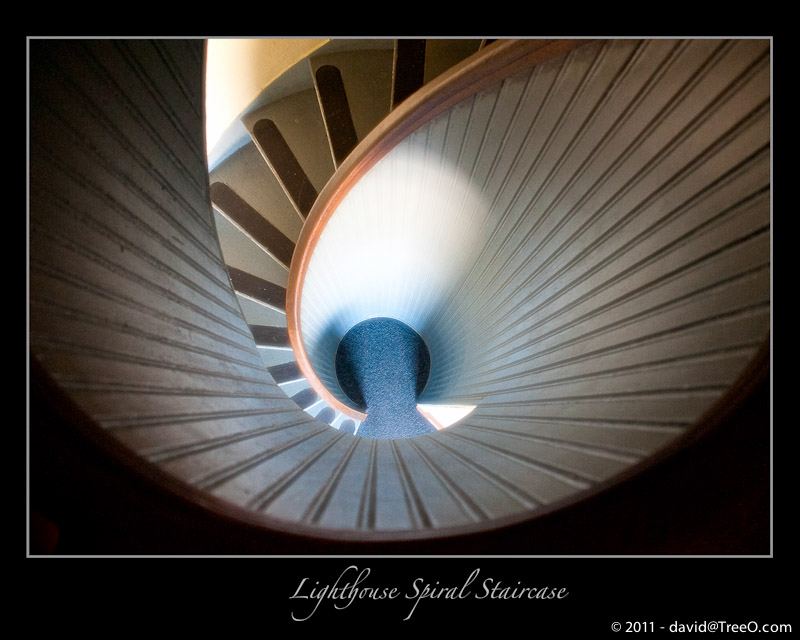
pixel 382 365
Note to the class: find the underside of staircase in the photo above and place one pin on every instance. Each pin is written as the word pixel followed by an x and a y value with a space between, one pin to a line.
pixel 598 303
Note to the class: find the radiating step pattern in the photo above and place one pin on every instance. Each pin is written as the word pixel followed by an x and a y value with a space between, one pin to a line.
pixel 618 286
pixel 334 72
pixel 638 238
pixel 610 278
pixel 131 307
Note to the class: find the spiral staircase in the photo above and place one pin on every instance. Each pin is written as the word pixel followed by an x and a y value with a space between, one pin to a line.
pixel 579 230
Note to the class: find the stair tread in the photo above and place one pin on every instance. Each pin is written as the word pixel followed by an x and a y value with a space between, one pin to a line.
pixel 409 69
pixel 285 164
pixel 287 372
pixel 270 336
pixel 258 289
pixel 246 173
pixel 367 79
pixel 305 398
pixel 442 54
pixel 336 112
pixel 241 213
pixel 298 121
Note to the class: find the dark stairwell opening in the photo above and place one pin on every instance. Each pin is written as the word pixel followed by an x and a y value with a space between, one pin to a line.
pixel 382 365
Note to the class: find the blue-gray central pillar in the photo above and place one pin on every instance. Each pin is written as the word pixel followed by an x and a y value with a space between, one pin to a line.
pixel 382 365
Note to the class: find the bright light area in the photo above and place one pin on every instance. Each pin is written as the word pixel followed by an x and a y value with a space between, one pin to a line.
pixel 237 70
pixel 442 416
pixel 412 222
pixel 399 243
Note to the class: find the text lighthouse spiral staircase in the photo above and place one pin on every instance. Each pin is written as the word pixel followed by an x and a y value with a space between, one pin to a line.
pixel 578 230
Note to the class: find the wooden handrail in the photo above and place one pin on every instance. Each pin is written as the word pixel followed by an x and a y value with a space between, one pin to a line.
pixel 485 68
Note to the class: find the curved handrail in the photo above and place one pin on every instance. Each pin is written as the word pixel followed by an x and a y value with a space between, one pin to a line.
pixel 487 67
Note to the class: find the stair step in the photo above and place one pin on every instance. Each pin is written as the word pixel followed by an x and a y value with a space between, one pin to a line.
pixel 290 134
pixel 257 289
pixel 348 426
pixel 273 357
pixel 283 161
pixel 246 173
pixel 306 398
pixel 292 387
pixel 440 55
pixel 365 77
pixel 252 223
pixel 271 337
pixel 315 409
pixel 327 415
pixel 336 112
pixel 239 251
pixel 256 313
pixel 409 69
pixel 288 372
pixel 417 62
